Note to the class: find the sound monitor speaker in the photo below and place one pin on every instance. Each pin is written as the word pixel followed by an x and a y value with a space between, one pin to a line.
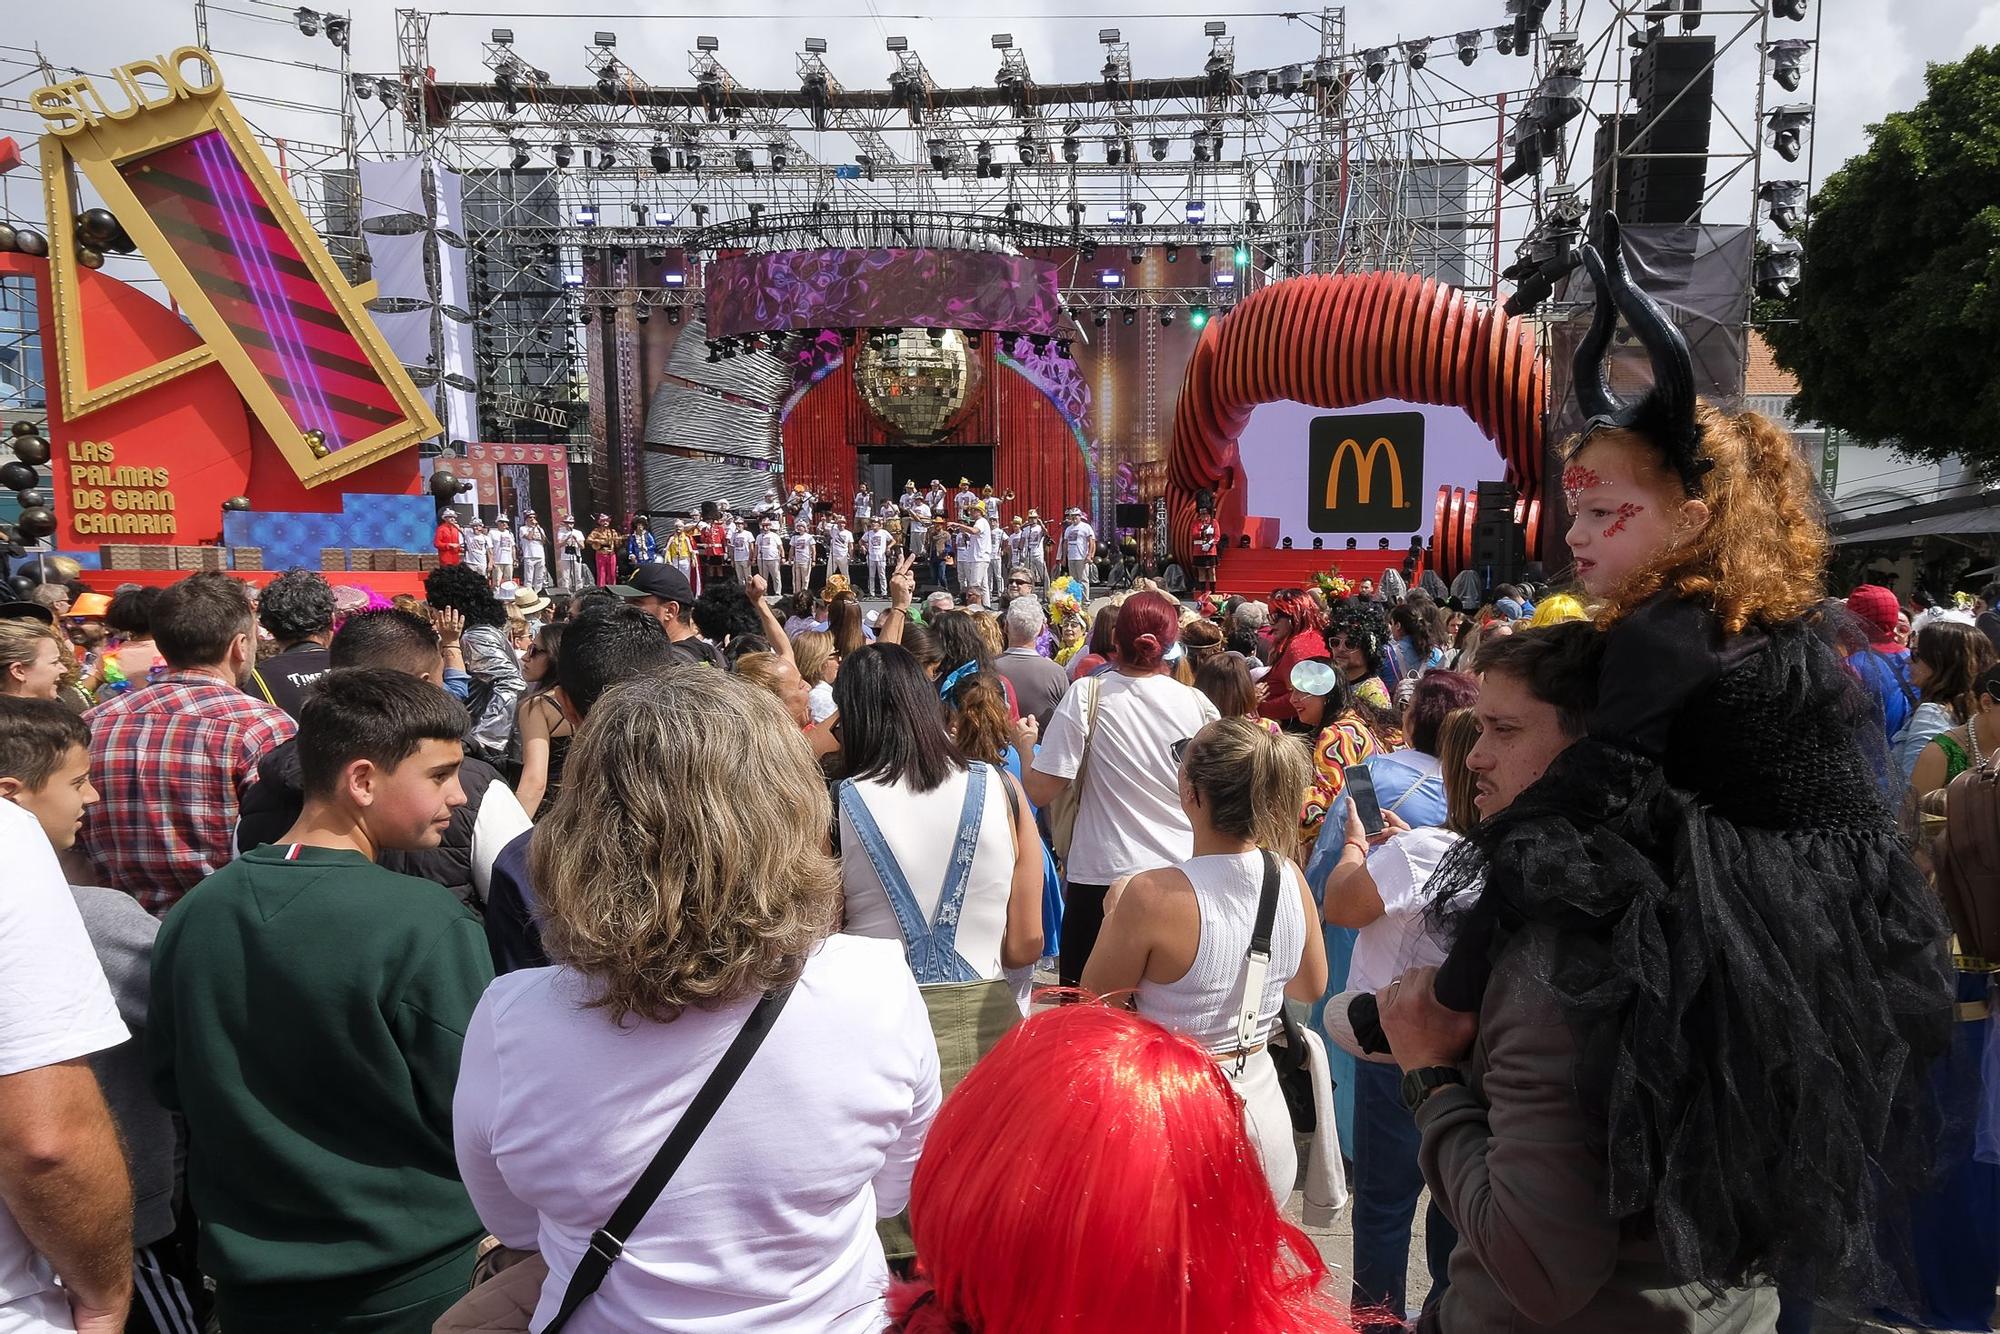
pixel 1499 548
pixel 1614 136
pixel 1133 516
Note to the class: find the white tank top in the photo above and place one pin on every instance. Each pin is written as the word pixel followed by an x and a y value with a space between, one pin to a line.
pixel 1204 1003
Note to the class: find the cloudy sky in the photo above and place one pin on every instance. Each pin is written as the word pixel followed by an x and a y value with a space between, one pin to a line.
pixel 1872 62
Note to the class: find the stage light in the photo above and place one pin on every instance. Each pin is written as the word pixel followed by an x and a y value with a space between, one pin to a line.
pixel 1025 146
pixel 520 158
pixel 1072 149
pixel 714 353
pixel 1197 210
pixel 499 36
pixel 364 87
pixel 1198 318
pixel 1063 346
pixel 1100 318
pixel 1376 63
pixel 673 280
pixel 607 81
pixel 662 157
pixel 604 41
pixel 1137 255
pixel 586 215
pixel 1200 146
pixel 1113 153
pixel 336 30
pixel 729 349
pixel 1292 80
pixel 1242 256
pixel 1252 210
pixel 1206 254
pixel 1128 316
pixel 1787 126
pixel 1787 57
pixel 1108 36
pixel 707 44
pixel 607 154
pixel 1503 39
pixel 1417 52
pixel 1255 84
pixel 563 152
pixel 1157 145
pixel 1778 269
pixel 1087 251
pixel 1469 44
pixel 779 158
pixel 745 161
pixel 1173 254
pixel 638 214
pixel 673 314
pixel 1225 278
pixel 642 313
pixel 1039 342
pixel 1110 278
pixel 308 21
pixel 1789 9
pixel 1166 318
pixel 1786 201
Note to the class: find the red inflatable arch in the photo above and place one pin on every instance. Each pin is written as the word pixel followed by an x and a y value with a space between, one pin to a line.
pixel 1341 340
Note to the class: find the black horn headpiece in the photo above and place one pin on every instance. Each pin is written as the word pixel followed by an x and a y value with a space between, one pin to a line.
pixel 1665 413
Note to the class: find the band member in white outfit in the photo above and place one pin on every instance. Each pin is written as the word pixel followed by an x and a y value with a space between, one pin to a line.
pixel 1079 548
pixel 864 504
pixel 534 553
pixel 975 552
pixel 875 546
pixel 1034 555
pixel 569 548
pixel 839 548
pixel 502 540
pixel 770 553
pixel 740 545
pixel 804 545
pixel 479 550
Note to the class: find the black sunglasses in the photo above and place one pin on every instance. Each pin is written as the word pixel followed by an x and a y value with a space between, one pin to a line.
pixel 1179 749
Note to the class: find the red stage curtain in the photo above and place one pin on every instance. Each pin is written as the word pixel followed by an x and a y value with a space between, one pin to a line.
pixel 1036 453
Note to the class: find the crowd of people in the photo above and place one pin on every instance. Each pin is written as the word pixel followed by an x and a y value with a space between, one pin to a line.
pixel 657 956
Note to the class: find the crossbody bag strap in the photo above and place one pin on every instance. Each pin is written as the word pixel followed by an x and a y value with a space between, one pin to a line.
pixel 608 1242
pixel 1257 961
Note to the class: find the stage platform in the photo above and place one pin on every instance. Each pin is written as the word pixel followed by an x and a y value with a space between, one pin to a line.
pixel 1257 571
pixel 386 582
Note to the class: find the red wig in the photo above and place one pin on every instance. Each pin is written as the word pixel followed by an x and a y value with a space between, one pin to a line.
pixel 1092 1175
pixel 1297 605
pixel 1147 627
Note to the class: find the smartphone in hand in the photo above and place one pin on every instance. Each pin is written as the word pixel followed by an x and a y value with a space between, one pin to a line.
pixel 1361 791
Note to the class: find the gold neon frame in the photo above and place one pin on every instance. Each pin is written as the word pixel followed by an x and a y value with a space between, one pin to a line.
pixel 96 147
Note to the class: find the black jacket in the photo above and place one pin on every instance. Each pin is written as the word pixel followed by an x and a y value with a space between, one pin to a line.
pixel 272 805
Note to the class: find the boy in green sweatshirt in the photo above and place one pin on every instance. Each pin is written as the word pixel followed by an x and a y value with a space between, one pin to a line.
pixel 307 1013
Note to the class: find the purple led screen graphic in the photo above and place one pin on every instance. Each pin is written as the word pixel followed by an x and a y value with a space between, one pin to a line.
pixel 221 227
pixel 881 289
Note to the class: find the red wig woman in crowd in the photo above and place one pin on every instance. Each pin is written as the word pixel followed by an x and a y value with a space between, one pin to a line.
pixel 1297 623
pixel 1092 1176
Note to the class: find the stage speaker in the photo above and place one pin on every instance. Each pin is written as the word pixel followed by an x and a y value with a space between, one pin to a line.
pixel 1499 549
pixel 1614 135
pixel 1673 83
pixel 1133 516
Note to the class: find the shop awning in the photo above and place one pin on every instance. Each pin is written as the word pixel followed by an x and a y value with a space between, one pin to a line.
pixel 1961 516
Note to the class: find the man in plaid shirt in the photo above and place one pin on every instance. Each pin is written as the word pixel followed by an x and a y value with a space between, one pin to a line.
pixel 172 759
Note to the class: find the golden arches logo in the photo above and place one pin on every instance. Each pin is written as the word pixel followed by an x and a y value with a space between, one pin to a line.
pixel 1364 471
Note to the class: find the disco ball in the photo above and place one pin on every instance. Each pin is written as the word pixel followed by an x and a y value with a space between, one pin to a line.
pixel 918 388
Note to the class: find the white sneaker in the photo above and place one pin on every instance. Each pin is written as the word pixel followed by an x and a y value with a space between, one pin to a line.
pixel 1339 1022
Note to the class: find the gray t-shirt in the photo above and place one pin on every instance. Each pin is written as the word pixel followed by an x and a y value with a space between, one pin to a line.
pixel 122 934
pixel 1038 682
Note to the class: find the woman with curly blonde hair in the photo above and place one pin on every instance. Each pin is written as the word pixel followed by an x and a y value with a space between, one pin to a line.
pixel 671 901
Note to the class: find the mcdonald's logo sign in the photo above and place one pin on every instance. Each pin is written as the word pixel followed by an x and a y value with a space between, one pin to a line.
pixel 1365 472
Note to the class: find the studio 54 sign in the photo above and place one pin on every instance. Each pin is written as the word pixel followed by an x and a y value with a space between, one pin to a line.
pixel 1365 472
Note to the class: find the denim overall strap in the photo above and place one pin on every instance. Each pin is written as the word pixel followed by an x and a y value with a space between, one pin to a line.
pixel 927 946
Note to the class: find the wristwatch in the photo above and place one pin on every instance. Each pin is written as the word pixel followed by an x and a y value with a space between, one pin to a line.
pixel 1421 1083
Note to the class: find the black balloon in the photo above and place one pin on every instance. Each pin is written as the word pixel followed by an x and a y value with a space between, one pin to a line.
pixel 6 236
pixel 22 585
pixel 42 569
pixel 36 524
pixel 90 259
pixel 31 449
pixel 30 242
pixel 237 503
pixel 16 476
pixel 31 499
pixel 96 226
pixel 444 484
pixel 25 428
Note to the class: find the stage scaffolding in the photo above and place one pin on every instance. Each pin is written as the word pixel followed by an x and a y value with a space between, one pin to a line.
pixel 1366 153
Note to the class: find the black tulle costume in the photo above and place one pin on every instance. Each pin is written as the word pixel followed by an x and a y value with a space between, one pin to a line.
pixel 1757 974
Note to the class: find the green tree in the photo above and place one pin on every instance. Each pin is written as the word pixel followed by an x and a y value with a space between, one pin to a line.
pixel 1894 327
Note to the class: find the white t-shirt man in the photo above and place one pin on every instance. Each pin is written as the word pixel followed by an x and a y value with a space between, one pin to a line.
pixel 839 542
pixel 501 542
pixel 1130 818
pixel 982 540
pixel 1397 941
pixel 876 544
pixel 802 548
pixel 478 550
pixel 739 544
pixel 1077 539
pixel 770 546
pixel 55 1006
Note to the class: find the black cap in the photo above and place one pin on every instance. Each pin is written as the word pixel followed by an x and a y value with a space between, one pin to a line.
pixel 664 582
pixel 27 611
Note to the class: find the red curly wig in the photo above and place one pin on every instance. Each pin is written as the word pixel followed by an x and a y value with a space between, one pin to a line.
pixel 1092 1175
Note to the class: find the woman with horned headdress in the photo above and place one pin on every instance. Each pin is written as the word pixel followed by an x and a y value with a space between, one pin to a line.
pixel 1706 904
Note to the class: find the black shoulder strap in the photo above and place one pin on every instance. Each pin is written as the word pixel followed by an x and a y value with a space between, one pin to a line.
pixel 608 1242
pixel 1267 907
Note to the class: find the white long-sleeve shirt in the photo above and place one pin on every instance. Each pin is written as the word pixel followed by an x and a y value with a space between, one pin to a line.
pixel 769 1225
